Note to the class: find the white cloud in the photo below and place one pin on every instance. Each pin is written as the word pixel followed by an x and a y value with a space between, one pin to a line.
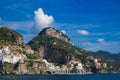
pixel 83 32
pixel 101 40
pixel 42 20
pixel 63 31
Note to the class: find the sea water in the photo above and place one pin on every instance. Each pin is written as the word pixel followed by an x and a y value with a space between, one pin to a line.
pixel 63 77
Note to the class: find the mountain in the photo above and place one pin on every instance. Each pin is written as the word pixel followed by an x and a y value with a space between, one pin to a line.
pixel 56 46
pixel 55 33
pixel 10 37
pixel 107 55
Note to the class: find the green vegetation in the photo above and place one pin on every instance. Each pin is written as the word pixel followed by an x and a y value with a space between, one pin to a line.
pixel 52 42
pixel 8 36
pixel 29 56
pixel 107 55
pixel 112 60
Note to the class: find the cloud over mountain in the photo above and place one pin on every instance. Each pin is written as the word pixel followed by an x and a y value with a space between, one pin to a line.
pixel 42 20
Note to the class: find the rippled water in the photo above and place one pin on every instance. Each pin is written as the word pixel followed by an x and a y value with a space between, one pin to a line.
pixel 63 77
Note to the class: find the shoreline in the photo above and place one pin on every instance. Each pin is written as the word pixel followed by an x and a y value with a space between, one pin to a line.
pixel 60 74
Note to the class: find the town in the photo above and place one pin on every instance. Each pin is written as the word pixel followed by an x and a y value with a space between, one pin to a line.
pixel 13 58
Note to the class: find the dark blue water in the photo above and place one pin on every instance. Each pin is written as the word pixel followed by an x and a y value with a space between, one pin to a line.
pixel 64 77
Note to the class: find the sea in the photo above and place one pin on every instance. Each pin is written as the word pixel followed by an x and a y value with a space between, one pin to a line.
pixel 63 77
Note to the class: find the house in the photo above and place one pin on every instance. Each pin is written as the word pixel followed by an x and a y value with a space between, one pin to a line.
pixel 6 56
pixel 79 66
pixel 11 58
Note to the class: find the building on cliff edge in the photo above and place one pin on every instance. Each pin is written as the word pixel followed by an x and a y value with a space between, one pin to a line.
pixel 6 56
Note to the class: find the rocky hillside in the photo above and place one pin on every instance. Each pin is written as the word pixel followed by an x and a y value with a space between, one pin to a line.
pixel 18 51
pixel 56 47
pixel 55 33
pixel 10 37
pixel 14 41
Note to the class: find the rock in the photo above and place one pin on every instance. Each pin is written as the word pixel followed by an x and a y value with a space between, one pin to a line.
pixel 55 33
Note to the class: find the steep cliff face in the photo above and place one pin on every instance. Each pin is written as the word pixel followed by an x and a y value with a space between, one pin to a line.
pixel 57 55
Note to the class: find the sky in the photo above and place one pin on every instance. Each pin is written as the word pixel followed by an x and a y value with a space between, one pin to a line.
pixel 90 24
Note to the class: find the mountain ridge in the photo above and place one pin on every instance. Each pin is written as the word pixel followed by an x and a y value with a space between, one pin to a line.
pixel 107 55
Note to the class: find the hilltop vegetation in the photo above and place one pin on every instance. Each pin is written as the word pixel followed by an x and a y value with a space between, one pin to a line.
pixel 9 36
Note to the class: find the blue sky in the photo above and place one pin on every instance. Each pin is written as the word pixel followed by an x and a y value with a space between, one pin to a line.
pixel 90 24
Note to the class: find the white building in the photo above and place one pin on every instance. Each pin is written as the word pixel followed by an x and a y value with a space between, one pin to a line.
pixel 49 65
pixel 79 66
pixel 5 50
pixel 5 56
pixel 76 65
pixel 11 58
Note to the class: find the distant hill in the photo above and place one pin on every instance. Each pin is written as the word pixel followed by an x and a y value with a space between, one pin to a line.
pixel 107 55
